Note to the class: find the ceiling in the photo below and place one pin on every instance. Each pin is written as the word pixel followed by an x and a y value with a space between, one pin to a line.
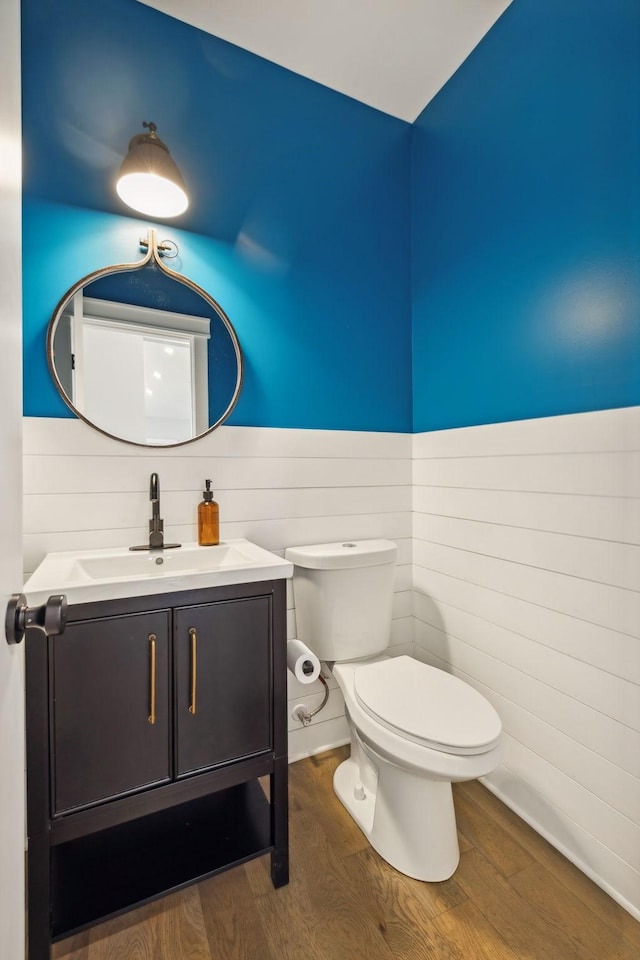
pixel 393 55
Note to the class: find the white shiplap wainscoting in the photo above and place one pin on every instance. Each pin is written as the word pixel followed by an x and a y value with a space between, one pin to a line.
pixel 527 579
pixel 525 545
pixel 277 487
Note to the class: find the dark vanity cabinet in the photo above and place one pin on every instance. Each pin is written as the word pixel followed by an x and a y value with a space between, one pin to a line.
pixel 223 692
pixel 153 724
pixel 104 740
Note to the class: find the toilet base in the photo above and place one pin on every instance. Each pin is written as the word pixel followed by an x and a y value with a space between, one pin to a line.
pixel 408 819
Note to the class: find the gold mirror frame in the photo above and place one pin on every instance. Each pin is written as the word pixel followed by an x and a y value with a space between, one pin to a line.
pixel 153 254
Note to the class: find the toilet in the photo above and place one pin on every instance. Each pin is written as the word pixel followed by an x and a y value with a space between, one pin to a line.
pixel 414 728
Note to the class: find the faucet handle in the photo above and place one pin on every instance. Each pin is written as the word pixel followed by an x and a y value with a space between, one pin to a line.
pixel 156 535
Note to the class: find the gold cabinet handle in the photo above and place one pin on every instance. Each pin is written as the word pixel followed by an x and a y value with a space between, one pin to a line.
pixel 152 661
pixel 194 668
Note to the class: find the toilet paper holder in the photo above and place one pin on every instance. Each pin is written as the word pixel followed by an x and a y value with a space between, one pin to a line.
pixel 305 666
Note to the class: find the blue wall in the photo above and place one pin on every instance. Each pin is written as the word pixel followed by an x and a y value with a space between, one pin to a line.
pixel 520 181
pixel 526 227
pixel 299 218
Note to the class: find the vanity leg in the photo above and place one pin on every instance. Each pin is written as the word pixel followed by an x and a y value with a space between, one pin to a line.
pixel 38 796
pixel 38 899
pixel 280 822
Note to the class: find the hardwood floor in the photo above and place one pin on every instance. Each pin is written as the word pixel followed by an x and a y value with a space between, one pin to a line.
pixel 513 897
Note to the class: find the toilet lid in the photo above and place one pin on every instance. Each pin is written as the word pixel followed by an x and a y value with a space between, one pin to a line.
pixel 427 705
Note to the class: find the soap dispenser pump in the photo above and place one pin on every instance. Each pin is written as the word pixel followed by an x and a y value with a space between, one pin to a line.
pixel 208 519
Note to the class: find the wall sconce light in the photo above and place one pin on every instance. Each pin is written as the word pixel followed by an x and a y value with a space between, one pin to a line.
pixel 149 181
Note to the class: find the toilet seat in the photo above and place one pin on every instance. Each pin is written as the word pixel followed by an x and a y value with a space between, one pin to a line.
pixel 427 706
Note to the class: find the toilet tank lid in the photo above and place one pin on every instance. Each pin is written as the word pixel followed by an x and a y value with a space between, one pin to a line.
pixel 348 553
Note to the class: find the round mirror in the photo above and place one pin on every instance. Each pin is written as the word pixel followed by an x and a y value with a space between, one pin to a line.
pixel 145 355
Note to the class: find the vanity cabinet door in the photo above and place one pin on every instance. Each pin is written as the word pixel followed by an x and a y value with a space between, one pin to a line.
pixel 222 682
pixel 110 722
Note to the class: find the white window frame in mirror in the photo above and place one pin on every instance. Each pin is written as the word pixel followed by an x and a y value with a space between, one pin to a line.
pixel 143 322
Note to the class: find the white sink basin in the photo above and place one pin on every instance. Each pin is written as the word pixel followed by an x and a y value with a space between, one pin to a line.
pixel 108 574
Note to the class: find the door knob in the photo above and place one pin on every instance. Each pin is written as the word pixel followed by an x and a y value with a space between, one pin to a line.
pixel 51 617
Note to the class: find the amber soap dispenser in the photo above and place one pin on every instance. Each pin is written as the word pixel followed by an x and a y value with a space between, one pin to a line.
pixel 208 519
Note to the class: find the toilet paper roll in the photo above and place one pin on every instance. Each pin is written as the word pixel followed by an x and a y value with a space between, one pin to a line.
pixel 302 662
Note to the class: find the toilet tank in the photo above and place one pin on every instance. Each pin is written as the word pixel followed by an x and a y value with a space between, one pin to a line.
pixel 343 595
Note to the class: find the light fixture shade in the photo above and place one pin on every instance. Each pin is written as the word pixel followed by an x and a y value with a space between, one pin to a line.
pixel 149 180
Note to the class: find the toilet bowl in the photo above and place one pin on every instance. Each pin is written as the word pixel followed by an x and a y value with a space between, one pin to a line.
pixel 414 729
pixel 397 782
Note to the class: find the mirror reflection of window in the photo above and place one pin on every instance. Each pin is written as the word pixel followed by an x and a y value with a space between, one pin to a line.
pixel 137 382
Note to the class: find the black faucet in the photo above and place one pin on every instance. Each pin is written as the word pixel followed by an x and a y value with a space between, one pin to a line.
pixel 156 523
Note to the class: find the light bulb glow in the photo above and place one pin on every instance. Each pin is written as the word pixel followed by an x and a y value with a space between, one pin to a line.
pixel 152 195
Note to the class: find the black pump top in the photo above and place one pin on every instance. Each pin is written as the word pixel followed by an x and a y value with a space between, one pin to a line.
pixel 208 493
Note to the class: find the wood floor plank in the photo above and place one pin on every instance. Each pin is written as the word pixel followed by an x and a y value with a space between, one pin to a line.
pixel 465 934
pixel 73 948
pixel 561 909
pixel 527 932
pixel 399 906
pixel 463 842
pixel 500 848
pixel 311 786
pixel 170 929
pixel 135 941
pixel 182 934
pixel 290 921
pixel 320 918
pixel 321 910
pixel 133 932
pixel 233 932
pixel 592 896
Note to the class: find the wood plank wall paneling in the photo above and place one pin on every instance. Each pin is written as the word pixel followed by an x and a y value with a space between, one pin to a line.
pixel 527 585
pixel 279 488
pixel 519 572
